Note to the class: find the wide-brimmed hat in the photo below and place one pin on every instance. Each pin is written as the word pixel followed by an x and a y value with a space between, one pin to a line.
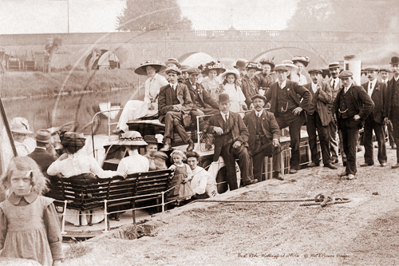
pixel 141 70
pixel 173 69
pixel 303 59
pixel 224 98
pixel 253 65
pixel 20 125
pixel 231 71
pixel 240 64
pixel 214 65
pixel 73 141
pixel 43 135
pixel 267 61
pixel 259 97
pixel 315 70
pixel 289 64
pixel 345 74
pixel 394 60
pixel 173 61
pixel 132 138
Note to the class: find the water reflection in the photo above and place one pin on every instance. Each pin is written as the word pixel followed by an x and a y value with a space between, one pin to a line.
pixel 39 111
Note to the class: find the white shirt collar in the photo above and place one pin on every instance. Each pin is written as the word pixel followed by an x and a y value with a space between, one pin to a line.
pixel 258 113
pixel 396 78
pixel 282 84
pixel 314 87
pixel 224 115
pixel 373 82
pixel 173 85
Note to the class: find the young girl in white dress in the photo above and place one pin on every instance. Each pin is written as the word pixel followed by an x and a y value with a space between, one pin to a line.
pixel 230 86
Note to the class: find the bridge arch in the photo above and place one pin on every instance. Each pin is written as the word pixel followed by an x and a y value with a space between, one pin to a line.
pixel 195 59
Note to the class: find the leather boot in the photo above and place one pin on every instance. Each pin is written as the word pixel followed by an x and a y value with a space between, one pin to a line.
pixel 190 145
pixel 168 145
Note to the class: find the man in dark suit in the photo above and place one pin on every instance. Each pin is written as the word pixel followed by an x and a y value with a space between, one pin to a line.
pixel 40 155
pixel 335 136
pixel 174 106
pixel 375 121
pixel 264 138
pixel 318 118
pixel 231 142
pixel 384 74
pixel 393 104
pixel 352 106
pixel 203 104
pixel 287 108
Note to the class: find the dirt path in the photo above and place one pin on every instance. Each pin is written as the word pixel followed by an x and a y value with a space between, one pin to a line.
pixel 363 232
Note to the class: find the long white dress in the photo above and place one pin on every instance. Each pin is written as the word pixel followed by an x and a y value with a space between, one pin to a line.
pixel 237 97
pixel 135 108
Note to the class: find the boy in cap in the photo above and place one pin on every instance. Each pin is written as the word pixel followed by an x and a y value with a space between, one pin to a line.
pixel 377 118
pixel 231 136
pixel 351 106
pixel 287 108
pixel 318 119
pixel 264 138
pixel 174 107
pixel 393 104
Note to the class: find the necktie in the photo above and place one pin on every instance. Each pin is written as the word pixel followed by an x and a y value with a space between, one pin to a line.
pixel 333 86
pixel 371 87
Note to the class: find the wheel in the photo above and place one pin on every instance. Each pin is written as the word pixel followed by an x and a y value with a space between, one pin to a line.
pixel 221 180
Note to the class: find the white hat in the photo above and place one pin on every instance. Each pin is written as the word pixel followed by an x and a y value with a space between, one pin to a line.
pixel 20 125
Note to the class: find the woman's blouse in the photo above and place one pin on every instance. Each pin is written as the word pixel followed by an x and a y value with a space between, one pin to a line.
pixel 200 180
pixel 152 87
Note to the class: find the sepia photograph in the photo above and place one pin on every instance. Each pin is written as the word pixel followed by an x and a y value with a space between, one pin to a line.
pixel 186 132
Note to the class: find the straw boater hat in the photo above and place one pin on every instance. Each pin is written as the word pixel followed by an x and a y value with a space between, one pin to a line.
pixel 141 70
pixel 303 59
pixel 281 68
pixel 132 138
pixel 267 61
pixel 253 65
pixel 43 136
pixel 289 64
pixel 372 68
pixel 173 61
pixel 333 65
pixel 214 65
pixel 20 125
pixel 173 69
pixel 231 71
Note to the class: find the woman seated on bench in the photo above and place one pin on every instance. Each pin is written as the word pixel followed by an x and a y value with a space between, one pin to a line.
pixel 73 163
pixel 200 175
pixel 134 163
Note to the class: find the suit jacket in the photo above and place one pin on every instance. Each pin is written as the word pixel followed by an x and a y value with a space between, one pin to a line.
pixel 391 88
pixel 360 100
pixel 43 158
pixel 249 88
pixel 320 102
pixel 293 91
pixel 205 98
pixel 380 98
pixel 238 131
pixel 165 101
pixel 269 127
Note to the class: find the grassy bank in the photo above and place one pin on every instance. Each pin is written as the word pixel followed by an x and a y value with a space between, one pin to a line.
pixel 19 84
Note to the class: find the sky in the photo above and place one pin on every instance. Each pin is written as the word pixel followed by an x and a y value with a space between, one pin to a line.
pixel 51 16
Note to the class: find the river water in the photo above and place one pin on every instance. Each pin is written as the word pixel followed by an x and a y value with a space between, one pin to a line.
pixel 39 112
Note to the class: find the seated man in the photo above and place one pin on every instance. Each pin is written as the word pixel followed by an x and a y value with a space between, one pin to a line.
pixel 203 103
pixel 174 106
pixel 231 136
pixel 264 135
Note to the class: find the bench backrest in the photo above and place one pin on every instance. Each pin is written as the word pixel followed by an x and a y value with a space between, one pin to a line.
pixel 152 183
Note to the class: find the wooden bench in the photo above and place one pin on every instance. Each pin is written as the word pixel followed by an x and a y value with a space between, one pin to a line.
pixel 117 194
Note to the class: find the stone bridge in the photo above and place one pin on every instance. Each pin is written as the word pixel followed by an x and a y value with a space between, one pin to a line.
pixel 131 48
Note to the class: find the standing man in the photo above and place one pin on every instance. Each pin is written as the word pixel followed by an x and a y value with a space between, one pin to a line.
pixel 174 105
pixel 318 118
pixel 352 106
pixel 264 138
pixel 375 121
pixel 393 104
pixel 231 136
pixel 288 110
pixel 384 74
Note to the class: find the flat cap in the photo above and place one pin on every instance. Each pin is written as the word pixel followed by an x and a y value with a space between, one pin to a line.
pixel 315 70
pixel 194 71
pixel 259 97
pixel 345 74
pixel 174 69
pixel 384 69
pixel 281 68
pixel 372 68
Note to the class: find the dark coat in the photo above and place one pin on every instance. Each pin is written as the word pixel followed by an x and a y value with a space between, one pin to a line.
pixel 391 88
pixel 165 101
pixel 43 158
pixel 249 88
pixel 206 100
pixel 320 102
pixel 293 91
pixel 270 127
pixel 238 131
pixel 361 101
pixel 380 99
